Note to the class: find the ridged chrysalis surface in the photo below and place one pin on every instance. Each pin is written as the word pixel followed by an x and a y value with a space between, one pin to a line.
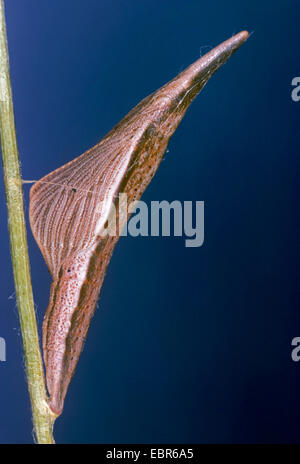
pixel 70 207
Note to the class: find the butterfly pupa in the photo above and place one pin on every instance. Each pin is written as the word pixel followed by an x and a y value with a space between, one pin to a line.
pixel 70 206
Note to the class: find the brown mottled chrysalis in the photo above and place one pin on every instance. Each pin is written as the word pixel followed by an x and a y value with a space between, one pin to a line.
pixel 70 207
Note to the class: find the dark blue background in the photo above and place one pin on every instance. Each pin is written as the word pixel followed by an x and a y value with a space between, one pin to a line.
pixel 188 344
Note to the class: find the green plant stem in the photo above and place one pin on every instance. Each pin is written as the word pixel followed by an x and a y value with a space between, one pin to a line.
pixel 42 417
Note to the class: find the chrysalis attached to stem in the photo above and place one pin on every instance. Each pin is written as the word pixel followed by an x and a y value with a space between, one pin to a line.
pixel 70 207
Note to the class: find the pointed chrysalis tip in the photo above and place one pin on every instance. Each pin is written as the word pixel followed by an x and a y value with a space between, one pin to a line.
pixel 237 40
pixel 244 35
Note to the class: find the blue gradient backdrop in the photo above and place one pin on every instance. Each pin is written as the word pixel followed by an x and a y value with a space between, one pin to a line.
pixel 188 344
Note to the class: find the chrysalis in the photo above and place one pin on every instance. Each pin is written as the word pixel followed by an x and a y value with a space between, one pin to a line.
pixel 70 207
